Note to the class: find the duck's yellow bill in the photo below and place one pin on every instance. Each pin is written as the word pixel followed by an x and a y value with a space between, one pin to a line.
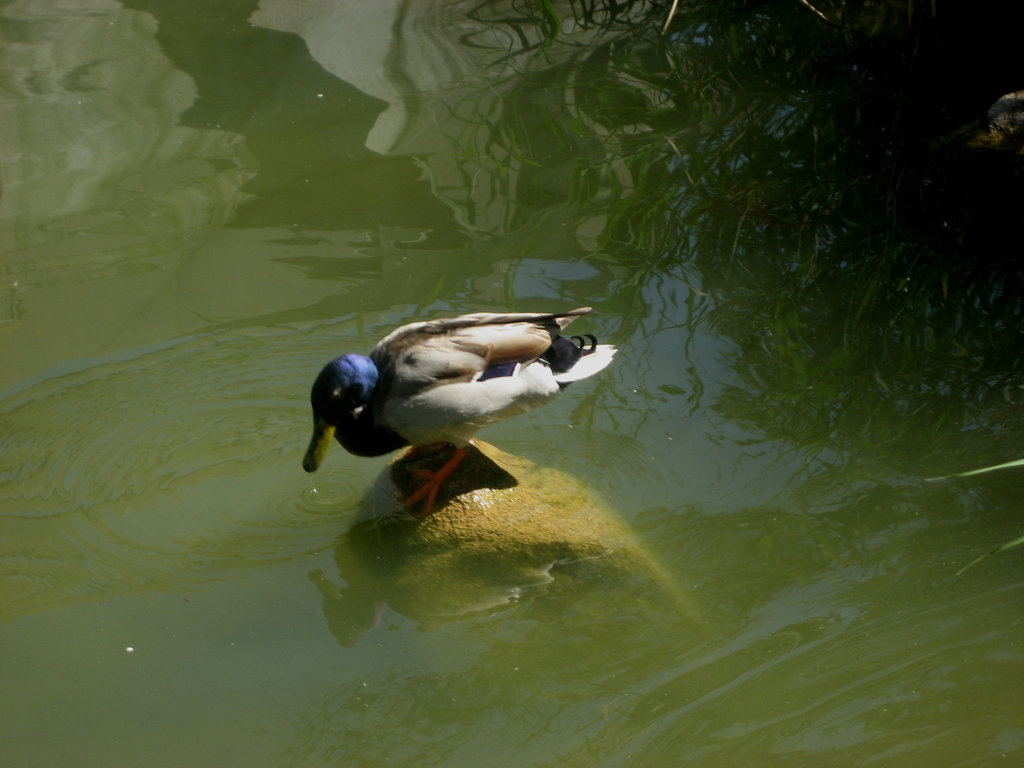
pixel 323 433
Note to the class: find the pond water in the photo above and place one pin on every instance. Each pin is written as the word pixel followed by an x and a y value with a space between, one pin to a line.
pixel 202 202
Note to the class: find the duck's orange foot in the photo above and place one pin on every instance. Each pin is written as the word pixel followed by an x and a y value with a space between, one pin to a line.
pixel 434 481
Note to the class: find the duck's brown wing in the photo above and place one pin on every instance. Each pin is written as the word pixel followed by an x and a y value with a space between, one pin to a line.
pixel 419 356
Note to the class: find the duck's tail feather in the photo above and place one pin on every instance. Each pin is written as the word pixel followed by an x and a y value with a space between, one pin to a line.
pixel 594 359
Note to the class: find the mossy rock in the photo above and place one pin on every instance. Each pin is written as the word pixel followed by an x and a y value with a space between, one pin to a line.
pixel 501 525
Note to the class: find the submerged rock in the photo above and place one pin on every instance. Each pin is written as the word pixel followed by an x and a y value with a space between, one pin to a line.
pixel 502 526
pixel 1004 125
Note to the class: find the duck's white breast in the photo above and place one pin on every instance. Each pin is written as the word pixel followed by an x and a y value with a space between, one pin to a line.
pixel 454 412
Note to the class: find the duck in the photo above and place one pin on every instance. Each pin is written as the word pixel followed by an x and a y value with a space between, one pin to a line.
pixel 438 382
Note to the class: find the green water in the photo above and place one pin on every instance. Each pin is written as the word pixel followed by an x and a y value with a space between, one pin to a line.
pixel 202 202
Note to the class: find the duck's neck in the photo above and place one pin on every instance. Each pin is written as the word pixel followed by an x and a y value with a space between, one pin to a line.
pixel 360 434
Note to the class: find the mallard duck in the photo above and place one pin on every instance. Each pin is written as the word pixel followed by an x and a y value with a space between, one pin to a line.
pixel 441 381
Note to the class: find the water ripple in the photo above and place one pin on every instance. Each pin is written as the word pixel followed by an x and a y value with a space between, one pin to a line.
pixel 141 471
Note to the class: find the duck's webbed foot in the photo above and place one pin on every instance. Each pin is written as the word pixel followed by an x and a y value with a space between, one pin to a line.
pixel 434 480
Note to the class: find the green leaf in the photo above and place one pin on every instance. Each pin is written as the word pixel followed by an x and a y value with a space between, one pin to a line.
pixel 1000 548
pixel 1007 465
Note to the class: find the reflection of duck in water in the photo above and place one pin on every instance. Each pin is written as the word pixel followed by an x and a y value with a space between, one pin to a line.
pixel 440 381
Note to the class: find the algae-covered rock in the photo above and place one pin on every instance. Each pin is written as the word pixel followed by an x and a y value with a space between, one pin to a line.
pixel 501 525
pixel 1004 125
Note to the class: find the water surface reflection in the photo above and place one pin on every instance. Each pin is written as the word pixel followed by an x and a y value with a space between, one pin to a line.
pixel 203 203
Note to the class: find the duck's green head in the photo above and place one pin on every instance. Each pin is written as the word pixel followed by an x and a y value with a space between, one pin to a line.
pixel 342 389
